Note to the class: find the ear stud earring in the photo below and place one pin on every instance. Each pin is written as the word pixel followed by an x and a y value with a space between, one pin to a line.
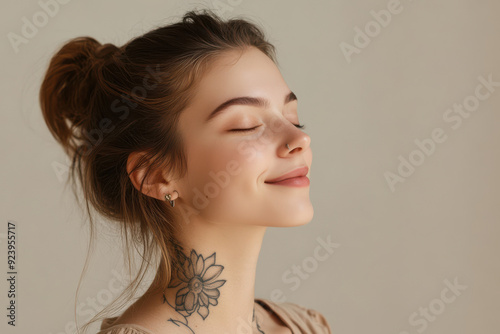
pixel 168 197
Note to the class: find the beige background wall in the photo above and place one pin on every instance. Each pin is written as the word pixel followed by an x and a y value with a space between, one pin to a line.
pixel 398 248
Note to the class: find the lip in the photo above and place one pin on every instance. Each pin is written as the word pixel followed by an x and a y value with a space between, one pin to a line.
pixel 298 181
pixel 298 172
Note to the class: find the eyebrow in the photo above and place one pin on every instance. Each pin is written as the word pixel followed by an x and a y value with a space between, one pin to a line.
pixel 248 101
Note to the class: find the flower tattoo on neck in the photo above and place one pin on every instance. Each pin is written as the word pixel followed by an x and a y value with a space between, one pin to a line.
pixel 197 283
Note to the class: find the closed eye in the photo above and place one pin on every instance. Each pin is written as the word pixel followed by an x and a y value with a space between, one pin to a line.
pixel 244 130
pixel 300 126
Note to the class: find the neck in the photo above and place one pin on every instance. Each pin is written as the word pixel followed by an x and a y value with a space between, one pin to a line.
pixel 213 286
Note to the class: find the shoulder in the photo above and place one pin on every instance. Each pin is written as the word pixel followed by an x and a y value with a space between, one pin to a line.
pixel 306 319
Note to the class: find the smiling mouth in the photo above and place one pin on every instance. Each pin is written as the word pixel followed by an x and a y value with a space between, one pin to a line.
pixel 298 172
pixel 295 178
pixel 298 181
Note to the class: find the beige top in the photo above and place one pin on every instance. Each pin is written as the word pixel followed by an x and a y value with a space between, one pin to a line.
pixel 299 319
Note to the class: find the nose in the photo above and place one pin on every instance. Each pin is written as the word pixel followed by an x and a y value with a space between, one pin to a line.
pixel 297 142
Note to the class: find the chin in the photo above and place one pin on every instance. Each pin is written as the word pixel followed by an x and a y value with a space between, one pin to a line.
pixel 303 217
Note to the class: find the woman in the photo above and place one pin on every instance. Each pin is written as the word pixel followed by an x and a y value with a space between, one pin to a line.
pixel 181 136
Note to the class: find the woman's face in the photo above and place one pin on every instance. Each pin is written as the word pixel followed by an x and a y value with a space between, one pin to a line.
pixel 226 169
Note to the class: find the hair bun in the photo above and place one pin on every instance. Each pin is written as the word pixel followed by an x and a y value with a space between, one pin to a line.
pixel 106 51
pixel 69 83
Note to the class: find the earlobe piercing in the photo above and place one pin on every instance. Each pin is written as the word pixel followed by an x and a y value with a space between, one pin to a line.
pixel 168 197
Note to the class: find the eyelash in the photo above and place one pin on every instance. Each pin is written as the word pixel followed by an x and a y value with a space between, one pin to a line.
pixel 300 126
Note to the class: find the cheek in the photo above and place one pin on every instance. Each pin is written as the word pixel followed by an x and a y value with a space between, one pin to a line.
pixel 242 160
pixel 226 173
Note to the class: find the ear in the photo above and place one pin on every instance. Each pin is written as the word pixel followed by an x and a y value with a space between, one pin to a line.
pixel 155 185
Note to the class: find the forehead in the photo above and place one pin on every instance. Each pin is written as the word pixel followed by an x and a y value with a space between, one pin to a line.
pixel 238 73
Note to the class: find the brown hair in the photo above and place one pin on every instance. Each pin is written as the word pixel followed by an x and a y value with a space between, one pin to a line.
pixel 102 103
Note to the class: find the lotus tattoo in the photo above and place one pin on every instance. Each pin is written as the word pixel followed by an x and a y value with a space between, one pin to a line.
pixel 198 287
